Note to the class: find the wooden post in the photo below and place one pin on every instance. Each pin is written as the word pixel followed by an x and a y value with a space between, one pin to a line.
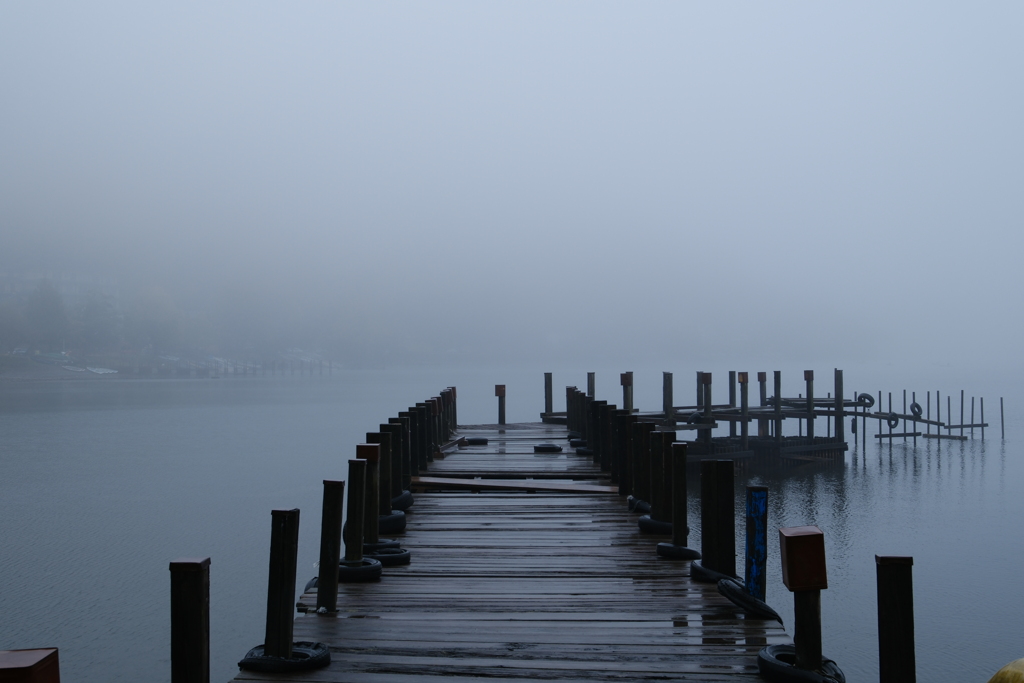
pixel 972 417
pixel 803 573
pixel 778 407
pixel 590 385
pixel 1002 424
pixel 395 488
pixel 284 552
pixel 371 496
pixel 412 465
pixel 949 414
pixel 840 409
pixel 666 399
pixel 499 391
pixel 913 400
pixel 424 442
pixel 641 443
pixel 42 665
pixel 928 414
pixel 679 496
pixel 356 510
pixel 596 433
pixel 709 415
pixel 762 425
pixel 757 541
pixel 330 546
pixel 190 620
pixel 961 412
pixel 717 516
pixel 981 400
pixel 896 661
pixel 665 478
pixel 744 412
pixel 732 401
pixel 809 379
pixel 379 501
pixel 549 400
pixel 700 390
pixel 626 380
pixel 624 433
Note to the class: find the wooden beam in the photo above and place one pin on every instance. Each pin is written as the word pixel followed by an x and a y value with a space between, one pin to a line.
pixel 510 484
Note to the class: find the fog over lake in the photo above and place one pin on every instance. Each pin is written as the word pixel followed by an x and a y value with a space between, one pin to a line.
pixel 418 195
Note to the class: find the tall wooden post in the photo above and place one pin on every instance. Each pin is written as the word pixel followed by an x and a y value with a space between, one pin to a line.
pixel 840 416
pixel 717 516
pixel 896 661
pixel 370 452
pixel 709 415
pixel 762 424
pixel 284 552
pixel 809 379
pixel 757 541
pixel 744 411
pixel 732 401
pixel 626 380
pixel 330 546
pixel 590 384
pixel 778 406
pixel 680 531
pixel 381 500
pixel 499 391
pixel 190 620
pixel 356 510
pixel 549 400
pixel 666 399
pixel 803 573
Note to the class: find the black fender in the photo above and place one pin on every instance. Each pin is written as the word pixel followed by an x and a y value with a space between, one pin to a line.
pixel 306 655
pixel 777 664
pixel 736 593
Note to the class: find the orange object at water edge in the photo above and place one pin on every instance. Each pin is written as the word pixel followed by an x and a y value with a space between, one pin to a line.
pixel 1011 673
pixel 30 666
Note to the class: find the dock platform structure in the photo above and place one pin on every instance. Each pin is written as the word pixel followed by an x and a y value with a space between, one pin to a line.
pixel 527 566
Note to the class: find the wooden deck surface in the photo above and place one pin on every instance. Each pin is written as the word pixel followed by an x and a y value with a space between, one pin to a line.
pixel 508 586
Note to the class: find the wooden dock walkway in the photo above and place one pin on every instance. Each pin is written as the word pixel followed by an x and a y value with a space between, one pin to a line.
pixel 513 585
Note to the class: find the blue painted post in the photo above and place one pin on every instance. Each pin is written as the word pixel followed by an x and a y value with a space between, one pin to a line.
pixel 757 541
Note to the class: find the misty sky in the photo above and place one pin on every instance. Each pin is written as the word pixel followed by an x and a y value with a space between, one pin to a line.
pixel 537 181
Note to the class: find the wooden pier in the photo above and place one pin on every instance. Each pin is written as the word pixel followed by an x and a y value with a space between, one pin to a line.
pixel 541 574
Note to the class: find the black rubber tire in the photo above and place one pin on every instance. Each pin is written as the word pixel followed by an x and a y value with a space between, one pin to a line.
pixel 584 451
pixel 574 435
pixel 853 425
pixel 365 570
pixel 736 593
pixel 893 421
pixel 775 663
pixel 380 545
pixel 391 557
pixel 698 572
pixel 311 584
pixel 476 441
pixel 577 443
pixel 306 655
pixel 694 418
pixel 547 448
pixel 915 409
pixel 654 526
pixel 866 400
pixel 677 552
pixel 637 505
pixel 391 524
pixel 402 502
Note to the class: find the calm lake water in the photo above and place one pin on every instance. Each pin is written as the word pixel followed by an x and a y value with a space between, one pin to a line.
pixel 103 482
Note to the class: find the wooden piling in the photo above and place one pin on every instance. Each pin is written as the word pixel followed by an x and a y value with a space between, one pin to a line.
pixel 896 660
pixel 190 620
pixel 666 399
pixel 981 400
pixel 394 428
pixel 679 496
pixel 732 401
pixel 809 380
pixel 972 417
pixel 840 432
pixel 626 380
pixel 778 406
pixel 330 546
pixel 284 551
pixel 499 391
pixel 590 385
pixel 744 411
pixel 371 495
pixel 709 415
pixel 622 470
pixel 762 425
pixel 803 573
pixel 641 444
pixel 961 412
pixel 755 577
pixel 807 629
pixel 382 504
pixel 356 507
pixel 549 401
pixel 1002 424
pixel 412 462
pixel 717 516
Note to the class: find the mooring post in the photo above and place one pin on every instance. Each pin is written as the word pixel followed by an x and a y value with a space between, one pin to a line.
pixel 762 424
pixel 590 385
pixel 380 502
pixel 284 552
pixel 626 380
pixel 700 390
pixel 778 406
pixel 803 573
pixel 641 443
pixel 756 580
pixel 744 411
pixel 190 620
pixel 656 455
pixel 928 414
pixel 709 415
pixel 499 391
pixel 412 464
pixel 371 503
pixel 397 459
pixel 972 417
pixel 680 531
pixel 840 409
pixel 604 425
pixel 896 661
pixel 549 400
pixel 961 412
pixel 981 400
pixel 666 399
pixel 717 516
pixel 1002 425
pixel 353 531
pixel 913 400
pixel 732 401
pixel 809 379
pixel 620 458
pixel 330 546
